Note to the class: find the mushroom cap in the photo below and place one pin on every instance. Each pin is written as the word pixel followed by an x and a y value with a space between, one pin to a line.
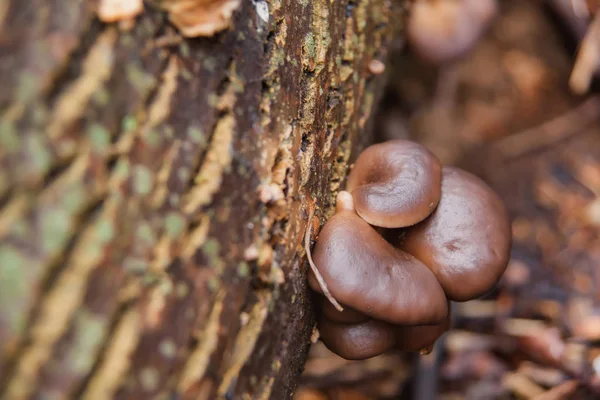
pixel 466 241
pixel 442 30
pixel 369 275
pixel 357 341
pixel 416 338
pixel 369 338
pixel 347 316
pixel 395 184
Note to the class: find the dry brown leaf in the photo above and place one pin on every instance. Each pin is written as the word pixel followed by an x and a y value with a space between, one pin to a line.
pixel 118 10
pixel 196 18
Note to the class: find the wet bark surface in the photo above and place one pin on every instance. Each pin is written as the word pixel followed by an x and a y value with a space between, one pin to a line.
pixel 155 190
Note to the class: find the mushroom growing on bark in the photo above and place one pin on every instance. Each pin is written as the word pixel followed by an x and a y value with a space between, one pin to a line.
pixel 365 338
pixel 466 240
pixel 388 171
pixel 439 31
pixel 448 238
pixel 357 341
pixel 365 272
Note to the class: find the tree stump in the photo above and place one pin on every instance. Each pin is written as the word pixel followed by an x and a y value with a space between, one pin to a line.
pixel 155 192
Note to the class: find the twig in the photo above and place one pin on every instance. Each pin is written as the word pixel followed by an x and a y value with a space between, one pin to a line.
pixel 551 132
pixel 561 391
pixel 588 59
pixel 314 268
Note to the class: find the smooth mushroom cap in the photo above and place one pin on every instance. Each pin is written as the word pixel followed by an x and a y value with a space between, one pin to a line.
pixel 466 241
pixel 369 275
pixel 441 30
pixel 416 338
pixel 347 316
pixel 357 341
pixel 395 184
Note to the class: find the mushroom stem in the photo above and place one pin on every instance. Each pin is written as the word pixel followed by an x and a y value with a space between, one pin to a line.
pixel 314 268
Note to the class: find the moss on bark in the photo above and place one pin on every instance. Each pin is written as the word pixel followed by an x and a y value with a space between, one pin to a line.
pixel 154 193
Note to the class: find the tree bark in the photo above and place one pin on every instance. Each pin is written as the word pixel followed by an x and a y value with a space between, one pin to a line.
pixel 155 190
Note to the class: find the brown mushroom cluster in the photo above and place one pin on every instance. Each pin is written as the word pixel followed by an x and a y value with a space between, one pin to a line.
pixel 408 237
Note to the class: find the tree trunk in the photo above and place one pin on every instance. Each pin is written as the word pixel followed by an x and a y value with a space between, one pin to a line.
pixel 155 192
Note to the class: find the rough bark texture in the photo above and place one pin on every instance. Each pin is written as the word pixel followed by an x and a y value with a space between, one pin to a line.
pixel 154 193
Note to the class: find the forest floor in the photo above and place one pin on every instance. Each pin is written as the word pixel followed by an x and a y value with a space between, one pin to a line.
pixel 504 112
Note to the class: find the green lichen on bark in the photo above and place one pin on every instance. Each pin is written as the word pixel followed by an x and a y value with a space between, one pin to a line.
pixel 138 255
